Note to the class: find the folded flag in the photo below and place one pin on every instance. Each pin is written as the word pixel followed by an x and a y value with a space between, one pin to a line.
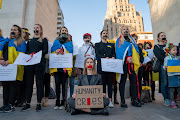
pixel 173 66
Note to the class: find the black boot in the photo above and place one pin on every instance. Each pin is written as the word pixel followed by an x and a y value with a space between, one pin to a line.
pixel 135 103
pixel 74 111
pixel 100 112
pixel 123 104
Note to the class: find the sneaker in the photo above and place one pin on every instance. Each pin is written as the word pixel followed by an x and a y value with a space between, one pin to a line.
pixel 110 104
pixel 116 101
pixel 9 108
pixel 2 109
pixel 173 104
pixel 56 107
pixel 62 105
pixel 38 107
pixel 123 104
pixel 167 102
pixel 26 107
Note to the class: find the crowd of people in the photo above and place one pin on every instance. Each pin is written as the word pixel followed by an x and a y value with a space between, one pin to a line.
pixel 18 93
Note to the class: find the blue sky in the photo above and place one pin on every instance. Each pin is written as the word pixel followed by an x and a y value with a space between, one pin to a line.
pixel 82 16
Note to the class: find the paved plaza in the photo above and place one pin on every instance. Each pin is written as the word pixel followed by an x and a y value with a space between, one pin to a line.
pixel 150 111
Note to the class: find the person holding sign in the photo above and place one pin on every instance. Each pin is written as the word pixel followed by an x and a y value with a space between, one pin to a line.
pixel 11 49
pixel 34 45
pixel 125 46
pixel 61 45
pixel 89 77
pixel 106 50
pixel 173 75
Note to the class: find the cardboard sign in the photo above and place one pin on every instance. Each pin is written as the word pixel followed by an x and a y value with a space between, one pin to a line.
pixel 89 97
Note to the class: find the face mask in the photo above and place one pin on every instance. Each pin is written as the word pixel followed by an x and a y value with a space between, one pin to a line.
pixel 105 36
pixel 89 66
pixel 87 41
pixel 36 31
pixel 163 38
pixel 13 33
pixel 126 32
pixel 62 41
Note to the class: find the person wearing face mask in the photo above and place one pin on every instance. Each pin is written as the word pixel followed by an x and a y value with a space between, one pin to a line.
pixel 11 50
pixel 106 50
pixel 140 72
pixel 160 54
pixel 147 73
pixel 89 77
pixel 61 45
pixel 87 48
pixel 124 51
pixel 34 45
pixel 21 98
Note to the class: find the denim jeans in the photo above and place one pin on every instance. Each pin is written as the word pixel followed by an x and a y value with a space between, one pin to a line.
pixel 164 83
pixel 72 82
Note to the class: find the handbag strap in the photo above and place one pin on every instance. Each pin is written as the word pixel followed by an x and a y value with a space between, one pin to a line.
pixel 88 49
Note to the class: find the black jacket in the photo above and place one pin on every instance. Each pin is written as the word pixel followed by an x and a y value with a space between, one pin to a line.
pixel 103 50
pixel 141 55
pixel 159 53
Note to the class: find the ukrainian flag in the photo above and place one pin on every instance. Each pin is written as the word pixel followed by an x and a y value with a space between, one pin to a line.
pixel 13 52
pixel 0 3
pixel 173 66
pixel 68 49
pixel 135 59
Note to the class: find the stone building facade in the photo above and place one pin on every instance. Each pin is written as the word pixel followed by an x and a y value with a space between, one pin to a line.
pixel 165 18
pixel 120 12
pixel 26 13
pixel 60 20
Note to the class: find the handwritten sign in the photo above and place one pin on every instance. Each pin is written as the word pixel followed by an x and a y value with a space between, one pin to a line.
pixel 8 73
pixel 24 59
pixel 89 97
pixel 61 61
pixel 79 63
pixel 112 65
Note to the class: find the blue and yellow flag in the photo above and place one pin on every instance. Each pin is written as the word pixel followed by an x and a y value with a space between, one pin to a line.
pixel 173 66
pixel 135 59
pixel 13 52
pixel 68 49
pixel 0 3
pixel 2 43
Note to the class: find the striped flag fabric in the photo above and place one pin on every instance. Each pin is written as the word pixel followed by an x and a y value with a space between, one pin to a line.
pixel 173 66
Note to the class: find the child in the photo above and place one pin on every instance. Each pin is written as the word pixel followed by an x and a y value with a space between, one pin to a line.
pixel 173 77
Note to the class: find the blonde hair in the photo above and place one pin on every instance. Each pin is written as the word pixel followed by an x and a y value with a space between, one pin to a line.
pixel 19 40
pixel 41 34
pixel 122 36
pixel 85 68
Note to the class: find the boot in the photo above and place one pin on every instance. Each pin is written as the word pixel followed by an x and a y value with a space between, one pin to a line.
pixel 123 104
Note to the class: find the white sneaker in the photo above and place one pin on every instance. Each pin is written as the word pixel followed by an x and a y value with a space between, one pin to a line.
pixel 61 107
pixel 56 107
pixel 110 104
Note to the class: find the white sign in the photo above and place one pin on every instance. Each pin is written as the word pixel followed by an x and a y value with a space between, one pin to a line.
pixel 79 63
pixel 24 59
pixel 150 53
pixel 112 65
pixel 8 73
pixel 60 61
pixel 75 50
pixel 146 60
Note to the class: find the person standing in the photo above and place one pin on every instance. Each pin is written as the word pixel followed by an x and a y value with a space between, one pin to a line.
pixel 34 45
pixel 106 50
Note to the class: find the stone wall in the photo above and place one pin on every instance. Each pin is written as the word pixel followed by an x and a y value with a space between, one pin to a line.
pixel 165 18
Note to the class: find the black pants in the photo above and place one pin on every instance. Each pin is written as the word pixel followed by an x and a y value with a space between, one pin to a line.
pixel 9 92
pixel 38 71
pixel 60 78
pixel 46 84
pixel 145 76
pixel 107 79
pixel 133 82
pixel 140 76
pixel 20 91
